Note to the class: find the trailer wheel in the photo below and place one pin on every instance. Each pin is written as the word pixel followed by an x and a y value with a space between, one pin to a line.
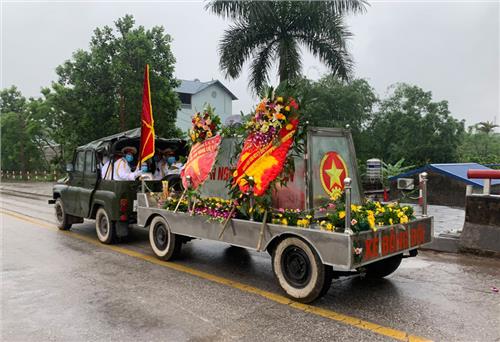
pixel 165 244
pixel 104 227
pixel 299 270
pixel 62 219
pixel 383 268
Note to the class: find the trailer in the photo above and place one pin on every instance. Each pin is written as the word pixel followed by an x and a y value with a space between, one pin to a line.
pixel 304 260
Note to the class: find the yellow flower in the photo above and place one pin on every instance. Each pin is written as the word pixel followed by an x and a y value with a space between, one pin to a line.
pixel 289 127
pixel 287 108
pixel 329 227
pixel 403 219
pixel 335 195
pixel 279 99
pixel 209 134
pixel 341 214
pixel 355 208
pixel 391 221
pixel 371 221
pixel 284 222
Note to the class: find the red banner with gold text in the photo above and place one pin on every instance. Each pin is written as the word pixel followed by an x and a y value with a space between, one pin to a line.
pixel 200 161
pixel 264 163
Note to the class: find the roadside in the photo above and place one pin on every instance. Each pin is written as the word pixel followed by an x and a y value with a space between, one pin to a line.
pixel 42 189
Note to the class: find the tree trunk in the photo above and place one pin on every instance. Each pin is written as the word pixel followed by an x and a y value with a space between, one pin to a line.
pixel 122 112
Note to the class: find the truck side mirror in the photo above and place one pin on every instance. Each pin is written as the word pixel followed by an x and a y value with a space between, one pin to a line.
pixel 70 167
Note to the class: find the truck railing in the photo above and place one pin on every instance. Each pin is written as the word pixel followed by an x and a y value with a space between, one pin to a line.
pixel 422 199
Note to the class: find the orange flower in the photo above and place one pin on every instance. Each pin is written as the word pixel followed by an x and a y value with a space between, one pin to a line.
pixel 280 116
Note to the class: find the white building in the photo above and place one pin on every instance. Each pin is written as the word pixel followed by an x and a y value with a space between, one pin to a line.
pixel 195 95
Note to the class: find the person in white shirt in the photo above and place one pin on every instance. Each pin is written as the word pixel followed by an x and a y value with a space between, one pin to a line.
pixel 104 164
pixel 166 164
pixel 121 169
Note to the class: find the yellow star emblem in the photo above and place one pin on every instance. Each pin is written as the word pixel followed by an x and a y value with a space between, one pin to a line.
pixel 334 174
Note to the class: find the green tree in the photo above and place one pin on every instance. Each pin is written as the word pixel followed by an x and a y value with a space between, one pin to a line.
pixel 480 147
pixel 486 127
pixel 410 125
pixel 21 131
pixel 99 91
pixel 331 102
pixel 268 31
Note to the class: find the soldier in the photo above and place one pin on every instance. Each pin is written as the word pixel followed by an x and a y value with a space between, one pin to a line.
pixel 122 169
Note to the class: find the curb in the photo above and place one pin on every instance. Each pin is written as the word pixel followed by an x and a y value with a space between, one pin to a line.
pixel 448 243
pixel 24 193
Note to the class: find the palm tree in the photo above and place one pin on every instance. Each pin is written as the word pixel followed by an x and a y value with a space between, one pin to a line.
pixel 486 127
pixel 268 31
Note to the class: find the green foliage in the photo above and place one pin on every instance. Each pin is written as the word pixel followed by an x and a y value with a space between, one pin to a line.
pixel 486 127
pixel 390 170
pixel 410 125
pixel 482 148
pixel 23 132
pixel 99 91
pixel 331 102
pixel 268 31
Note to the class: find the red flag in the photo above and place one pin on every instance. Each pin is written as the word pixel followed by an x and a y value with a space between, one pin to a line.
pixel 264 163
pixel 147 123
pixel 200 161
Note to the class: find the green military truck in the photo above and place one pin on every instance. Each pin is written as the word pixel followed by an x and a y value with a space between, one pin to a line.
pixel 83 194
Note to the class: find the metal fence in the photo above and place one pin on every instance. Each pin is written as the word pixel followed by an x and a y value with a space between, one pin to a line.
pixel 35 176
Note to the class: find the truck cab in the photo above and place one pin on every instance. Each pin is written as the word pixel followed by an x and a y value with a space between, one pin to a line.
pixel 84 194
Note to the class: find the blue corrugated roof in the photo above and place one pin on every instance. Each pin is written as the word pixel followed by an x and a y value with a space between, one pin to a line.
pixel 194 87
pixel 457 171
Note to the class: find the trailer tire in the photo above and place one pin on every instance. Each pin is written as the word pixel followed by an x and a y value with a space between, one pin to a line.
pixel 104 227
pixel 63 220
pixel 383 268
pixel 165 244
pixel 299 270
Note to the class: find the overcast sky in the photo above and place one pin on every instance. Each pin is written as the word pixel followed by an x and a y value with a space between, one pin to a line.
pixel 450 48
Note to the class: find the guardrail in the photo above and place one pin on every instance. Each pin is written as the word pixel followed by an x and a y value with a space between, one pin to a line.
pixel 487 175
pixel 30 175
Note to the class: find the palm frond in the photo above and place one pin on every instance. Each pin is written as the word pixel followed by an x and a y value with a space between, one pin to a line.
pixel 236 47
pixel 290 64
pixel 259 68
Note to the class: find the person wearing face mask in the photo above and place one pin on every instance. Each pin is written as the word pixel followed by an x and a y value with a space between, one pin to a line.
pixel 160 159
pixel 174 167
pixel 166 164
pixel 122 169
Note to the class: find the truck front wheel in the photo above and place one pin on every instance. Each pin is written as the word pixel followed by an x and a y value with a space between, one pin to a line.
pixel 104 227
pixel 165 244
pixel 299 270
pixel 62 219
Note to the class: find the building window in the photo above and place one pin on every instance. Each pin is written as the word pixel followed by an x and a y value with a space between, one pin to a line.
pixel 185 100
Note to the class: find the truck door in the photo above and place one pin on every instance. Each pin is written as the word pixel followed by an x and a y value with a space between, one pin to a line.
pixel 88 184
pixel 71 200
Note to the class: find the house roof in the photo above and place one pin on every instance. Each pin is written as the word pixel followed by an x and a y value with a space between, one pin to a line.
pixel 194 87
pixel 457 171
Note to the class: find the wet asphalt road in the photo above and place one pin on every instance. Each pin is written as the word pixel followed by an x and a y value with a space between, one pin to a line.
pixel 58 287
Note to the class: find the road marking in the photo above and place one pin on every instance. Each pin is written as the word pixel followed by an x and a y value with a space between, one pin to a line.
pixel 332 315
